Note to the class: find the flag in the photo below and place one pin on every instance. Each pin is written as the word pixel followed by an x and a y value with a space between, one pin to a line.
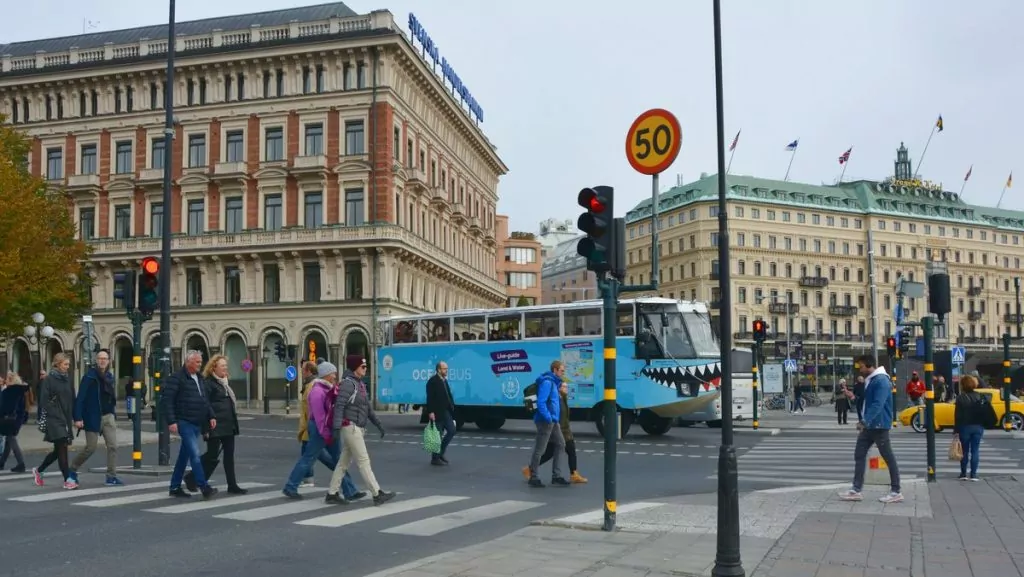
pixel 938 123
pixel 845 157
pixel 1009 181
pixel 735 141
pixel 969 171
pixel 792 145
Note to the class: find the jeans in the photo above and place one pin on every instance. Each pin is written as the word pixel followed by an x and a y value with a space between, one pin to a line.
pixel 548 432
pixel 879 438
pixel 188 454
pixel 970 439
pixel 11 444
pixel 317 449
pixel 570 451
pixel 446 422
pixel 108 428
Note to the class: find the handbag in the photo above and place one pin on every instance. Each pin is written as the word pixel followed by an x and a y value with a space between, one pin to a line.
pixel 956 449
pixel 431 439
pixel 41 421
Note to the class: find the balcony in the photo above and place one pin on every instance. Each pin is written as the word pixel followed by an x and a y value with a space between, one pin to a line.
pixel 974 291
pixel 229 170
pixel 713 276
pixel 439 198
pixel 416 179
pixel 151 177
pixel 977 340
pixel 1012 319
pixel 474 226
pixel 780 308
pixel 715 304
pixel 84 183
pixel 309 166
pixel 814 281
pixel 458 212
pixel 842 310
pixel 974 316
pixel 291 239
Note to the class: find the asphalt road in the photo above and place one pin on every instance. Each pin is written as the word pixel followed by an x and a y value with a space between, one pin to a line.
pixel 114 532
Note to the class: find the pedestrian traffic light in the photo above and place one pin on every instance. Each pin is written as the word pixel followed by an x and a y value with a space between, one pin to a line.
pixel 906 336
pixel 759 330
pixel 124 289
pixel 149 286
pixel 597 223
pixel 890 346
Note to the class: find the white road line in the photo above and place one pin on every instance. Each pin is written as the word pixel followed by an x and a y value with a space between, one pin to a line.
pixel 434 525
pixel 25 476
pixel 273 511
pixel 371 512
pixel 62 494
pixel 750 457
pixel 147 497
pixel 598 514
pixel 199 505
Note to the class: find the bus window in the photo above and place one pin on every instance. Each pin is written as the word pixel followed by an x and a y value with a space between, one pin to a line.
pixel 540 324
pixel 436 330
pixel 582 322
pixel 624 326
pixel 503 327
pixel 405 332
pixel 469 328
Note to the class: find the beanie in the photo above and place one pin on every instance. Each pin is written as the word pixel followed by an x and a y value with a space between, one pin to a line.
pixel 325 369
pixel 353 362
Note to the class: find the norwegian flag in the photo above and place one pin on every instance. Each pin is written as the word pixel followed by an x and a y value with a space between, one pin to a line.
pixel 735 141
pixel 845 157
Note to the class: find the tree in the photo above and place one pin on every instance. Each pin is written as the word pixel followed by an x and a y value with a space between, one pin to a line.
pixel 523 301
pixel 41 258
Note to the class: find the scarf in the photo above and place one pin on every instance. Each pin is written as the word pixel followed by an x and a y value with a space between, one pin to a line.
pixel 224 383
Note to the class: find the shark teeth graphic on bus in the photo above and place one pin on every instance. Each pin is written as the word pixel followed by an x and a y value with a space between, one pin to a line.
pixel 690 378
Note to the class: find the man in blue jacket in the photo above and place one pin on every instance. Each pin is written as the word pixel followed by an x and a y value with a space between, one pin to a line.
pixel 546 418
pixel 874 430
pixel 94 413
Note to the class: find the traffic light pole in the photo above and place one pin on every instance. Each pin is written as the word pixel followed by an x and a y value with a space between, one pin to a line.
pixel 928 328
pixel 754 371
pixel 609 292
pixel 137 375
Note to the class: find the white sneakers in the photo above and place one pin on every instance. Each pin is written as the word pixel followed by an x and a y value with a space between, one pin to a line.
pixel 854 495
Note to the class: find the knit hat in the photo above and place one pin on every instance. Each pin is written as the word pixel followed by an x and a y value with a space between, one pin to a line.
pixel 325 369
pixel 353 362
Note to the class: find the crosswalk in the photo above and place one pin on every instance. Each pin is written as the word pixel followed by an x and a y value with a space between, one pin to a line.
pixel 408 515
pixel 828 460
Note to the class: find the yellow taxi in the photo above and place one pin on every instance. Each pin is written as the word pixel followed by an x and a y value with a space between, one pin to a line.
pixel 944 417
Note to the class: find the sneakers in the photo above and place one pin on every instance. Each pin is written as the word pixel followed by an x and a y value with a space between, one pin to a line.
pixel 179 493
pixel 382 497
pixel 113 482
pixel 975 479
pixel 70 485
pixel 559 482
pixel 335 499
pixel 963 476
pixel 535 482
pixel 292 494
pixel 851 495
pixel 891 497
pixel 307 484
pixel 18 468
pixel 37 477
pixel 73 476
pixel 576 478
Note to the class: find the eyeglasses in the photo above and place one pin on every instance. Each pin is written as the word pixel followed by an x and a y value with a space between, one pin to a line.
pixel 362 366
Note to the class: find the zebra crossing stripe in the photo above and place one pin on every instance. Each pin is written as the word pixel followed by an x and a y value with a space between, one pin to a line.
pixel 63 495
pixel 148 497
pixel 368 513
pixel 434 525
pixel 199 505
pixel 25 476
pixel 274 511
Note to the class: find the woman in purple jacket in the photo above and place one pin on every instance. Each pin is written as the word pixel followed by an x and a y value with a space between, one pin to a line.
pixel 323 392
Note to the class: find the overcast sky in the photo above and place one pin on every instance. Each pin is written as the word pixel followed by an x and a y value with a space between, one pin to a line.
pixel 561 81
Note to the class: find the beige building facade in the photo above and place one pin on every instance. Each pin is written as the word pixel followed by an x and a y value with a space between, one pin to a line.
pixel 565 277
pixel 519 263
pixel 324 178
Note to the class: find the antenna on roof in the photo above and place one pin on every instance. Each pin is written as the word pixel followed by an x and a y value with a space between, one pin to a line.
pixel 89 25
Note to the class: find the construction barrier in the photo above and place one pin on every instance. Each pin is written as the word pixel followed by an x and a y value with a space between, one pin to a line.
pixel 877 472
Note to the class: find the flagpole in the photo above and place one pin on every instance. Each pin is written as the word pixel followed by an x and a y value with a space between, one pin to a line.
pixel 791 157
pixel 917 169
pixel 843 173
pixel 966 178
pixel 1001 196
pixel 728 169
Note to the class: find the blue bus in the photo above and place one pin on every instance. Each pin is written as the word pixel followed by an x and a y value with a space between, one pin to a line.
pixel 667 360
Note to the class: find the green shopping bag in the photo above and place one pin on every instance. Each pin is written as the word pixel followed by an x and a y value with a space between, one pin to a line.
pixel 431 439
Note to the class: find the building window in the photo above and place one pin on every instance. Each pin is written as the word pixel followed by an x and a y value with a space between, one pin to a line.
pixel 271 283
pixel 54 163
pixel 314 139
pixel 87 223
pixel 273 217
pixel 233 215
pixel 519 255
pixel 354 137
pixel 196 150
pixel 241 86
pixel 314 209
pixel 227 87
pixel 273 147
pixel 154 101
pixel 320 78
pixel 156 219
pixel 311 282
pixel 235 146
pixel 94 104
pixel 123 159
pixel 232 285
pixel 202 91
pixel 88 161
pixel 307 81
pixel 521 280
pixel 279 83
pixel 122 221
pixel 361 75
pixel 156 159
pixel 196 212
pixel 353 280
pixel 398 144
pixel 117 100
pixel 354 207
pixel 266 84
pixel 190 92
pixel 193 286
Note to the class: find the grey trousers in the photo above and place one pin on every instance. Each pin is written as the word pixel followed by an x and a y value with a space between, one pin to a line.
pixel 548 432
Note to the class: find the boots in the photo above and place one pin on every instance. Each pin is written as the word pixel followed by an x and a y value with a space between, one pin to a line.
pixel 209 466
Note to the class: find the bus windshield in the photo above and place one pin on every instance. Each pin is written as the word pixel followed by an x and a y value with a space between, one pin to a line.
pixel 678 334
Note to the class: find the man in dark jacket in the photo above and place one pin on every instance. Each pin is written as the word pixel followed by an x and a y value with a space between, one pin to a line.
pixel 440 409
pixel 94 411
pixel 187 410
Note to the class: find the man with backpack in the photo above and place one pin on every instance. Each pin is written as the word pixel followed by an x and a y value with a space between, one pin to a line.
pixel 547 418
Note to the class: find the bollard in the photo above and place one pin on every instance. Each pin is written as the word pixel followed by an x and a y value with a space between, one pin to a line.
pixel 877 472
pixel 266 403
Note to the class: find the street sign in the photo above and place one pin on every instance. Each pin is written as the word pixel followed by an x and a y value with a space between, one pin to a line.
pixel 290 373
pixel 959 355
pixel 772 378
pixel 653 141
pixel 790 365
pixel 247 365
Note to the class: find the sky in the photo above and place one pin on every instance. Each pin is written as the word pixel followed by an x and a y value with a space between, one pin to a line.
pixel 561 81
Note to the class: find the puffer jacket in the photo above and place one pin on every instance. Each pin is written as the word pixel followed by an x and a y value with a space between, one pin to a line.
pixel 353 404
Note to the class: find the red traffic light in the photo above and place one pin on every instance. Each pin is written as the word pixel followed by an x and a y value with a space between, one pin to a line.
pixel 589 200
pixel 150 265
pixel 758 326
pixel 891 343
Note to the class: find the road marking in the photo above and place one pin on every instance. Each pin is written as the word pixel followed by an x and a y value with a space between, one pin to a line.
pixel 598 514
pixel 57 496
pixel 228 502
pixel 25 476
pixel 147 497
pixel 802 488
pixel 273 511
pixel 368 513
pixel 434 525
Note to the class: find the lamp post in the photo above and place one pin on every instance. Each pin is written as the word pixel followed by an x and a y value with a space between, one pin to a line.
pixel 37 333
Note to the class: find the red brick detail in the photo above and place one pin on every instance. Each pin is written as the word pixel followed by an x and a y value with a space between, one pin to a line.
pixel 37 157
pixel 70 156
pixel 177 155
pixel 291 203
pixel 213 206
pixel 383 169
pixel 103 209
pixel 139 224
pixel 252 162
pixel 214 152
pixel 141 146
pixel 333 150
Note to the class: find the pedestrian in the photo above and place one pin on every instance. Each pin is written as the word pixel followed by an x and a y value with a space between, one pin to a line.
pixel 320 403
pixel 352 411
pixel 858 397
pixel 56 401
pixel 94 412
pixel 188 410
pixel 874 430
pixel 570 443
pixel 222 438
pixel 308 375
pixel 13 414
pixel 915 389
pixel 546 418
pixel 972 415
pixel 842 399
pixel 440 409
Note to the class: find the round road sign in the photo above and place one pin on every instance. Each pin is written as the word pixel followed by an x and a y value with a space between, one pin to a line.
pixel 247 365
pixel 290 373
pixel 653 141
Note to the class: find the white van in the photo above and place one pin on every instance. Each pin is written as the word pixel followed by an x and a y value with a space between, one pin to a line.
pixel 742 395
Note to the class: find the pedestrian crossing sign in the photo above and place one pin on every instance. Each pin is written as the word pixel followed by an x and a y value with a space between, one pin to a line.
pixel 958 355
pixel 790 365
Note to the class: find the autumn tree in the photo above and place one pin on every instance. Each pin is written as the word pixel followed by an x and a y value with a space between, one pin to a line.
pixel 41 258
pixel 523 301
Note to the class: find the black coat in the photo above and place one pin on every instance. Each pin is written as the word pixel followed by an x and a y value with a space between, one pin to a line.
pixel 223 409
pixel 439 397
pixel 13 413
pixel 57 398
pixel 183 399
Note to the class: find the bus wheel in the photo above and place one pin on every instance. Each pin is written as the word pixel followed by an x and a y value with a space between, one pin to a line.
pixel 652 424
pixel 625 421
pixel 490 423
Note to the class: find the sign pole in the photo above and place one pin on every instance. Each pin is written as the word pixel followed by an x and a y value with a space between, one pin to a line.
pixel 609 290
pixel 757 355
pixel 928 327
pixel 1007 425
pixel 137 377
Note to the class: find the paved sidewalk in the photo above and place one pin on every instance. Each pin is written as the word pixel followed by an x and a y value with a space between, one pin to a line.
pixel 31 440
pixel 944 529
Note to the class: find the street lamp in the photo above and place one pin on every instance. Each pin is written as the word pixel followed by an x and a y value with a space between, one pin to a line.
pixel 37 333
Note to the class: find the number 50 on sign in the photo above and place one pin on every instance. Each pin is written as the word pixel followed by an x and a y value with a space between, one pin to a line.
pixel 653 141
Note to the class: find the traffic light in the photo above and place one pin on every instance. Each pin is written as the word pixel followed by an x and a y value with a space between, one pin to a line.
pixel 279 351
pixel 597 223
pixel 149 286
pixel 906 336
pixel 890 346
pixel 760 330
pixel 124 289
